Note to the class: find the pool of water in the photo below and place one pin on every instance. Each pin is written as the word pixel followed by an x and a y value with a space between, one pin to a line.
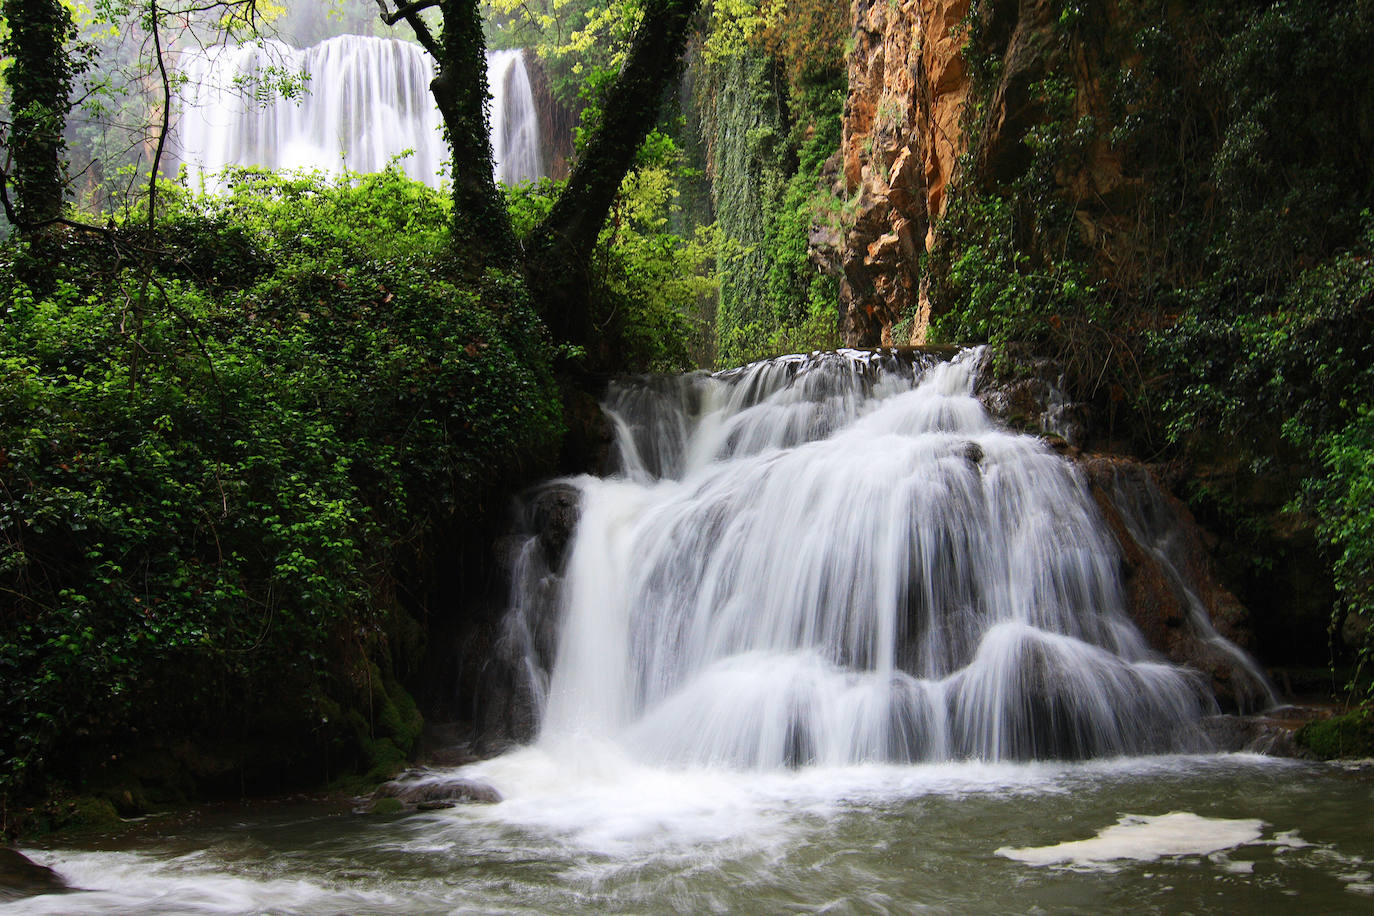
pixel 583 832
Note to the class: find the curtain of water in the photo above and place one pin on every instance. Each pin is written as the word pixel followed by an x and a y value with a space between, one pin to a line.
pixel 363 101
pixel 835 559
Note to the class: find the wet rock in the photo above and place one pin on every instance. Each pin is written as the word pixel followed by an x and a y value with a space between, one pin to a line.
pixel 1277 732
pixel 505 551
pixel 21 877
pixel 1171 590
pixel 1026 393
pixel 1252 734
pixel 556 509
pixel 428 794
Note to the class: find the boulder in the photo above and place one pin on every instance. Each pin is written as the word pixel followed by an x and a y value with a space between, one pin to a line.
pixel 427 793
pixel 22 877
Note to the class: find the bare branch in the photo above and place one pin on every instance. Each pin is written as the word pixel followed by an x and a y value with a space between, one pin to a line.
pixel 405 10
pixel 166 115
pixel 410 12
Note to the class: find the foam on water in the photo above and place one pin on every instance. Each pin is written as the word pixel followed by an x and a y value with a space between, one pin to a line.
pixel 1144 838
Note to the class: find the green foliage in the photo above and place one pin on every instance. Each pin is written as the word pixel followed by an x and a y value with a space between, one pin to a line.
pixel 750 177
pixel 768 194
pixel 1009 264
pixel 1347 735
pixel 1293 379
pixel 1004 293
pixel 574 39
pixel 651 286
pixel 213 471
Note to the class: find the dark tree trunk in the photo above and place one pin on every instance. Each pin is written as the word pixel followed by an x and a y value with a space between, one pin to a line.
pixel 40 82
pixel 481 228
pixel 558 253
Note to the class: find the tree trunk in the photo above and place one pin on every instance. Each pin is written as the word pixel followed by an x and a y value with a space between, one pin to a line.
pixel 558 253
pixel 40 82
pixel 481 227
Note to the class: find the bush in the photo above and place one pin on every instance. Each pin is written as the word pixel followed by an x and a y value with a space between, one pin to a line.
pixel 216 465
pixel 650 286
pixel 1348 735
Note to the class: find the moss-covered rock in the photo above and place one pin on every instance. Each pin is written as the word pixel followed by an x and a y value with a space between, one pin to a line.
pixel 1348 735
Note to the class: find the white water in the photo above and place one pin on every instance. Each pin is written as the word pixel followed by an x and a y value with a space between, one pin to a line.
pixel 366 101
pixel 839 560
pixel 1210 833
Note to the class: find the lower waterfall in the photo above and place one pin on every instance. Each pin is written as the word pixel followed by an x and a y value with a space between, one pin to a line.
pixel 793 656
pixel 839 559
pixel 354 103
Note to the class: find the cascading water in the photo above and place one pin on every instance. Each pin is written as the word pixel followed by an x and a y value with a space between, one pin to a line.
pixel 364 102
pixel 840 559
pixel 836 559
pixel 514 122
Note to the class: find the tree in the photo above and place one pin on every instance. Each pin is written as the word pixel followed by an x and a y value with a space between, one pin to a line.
pixel 557 255
pixel 40 80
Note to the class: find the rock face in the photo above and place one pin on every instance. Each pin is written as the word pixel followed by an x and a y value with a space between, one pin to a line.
pixel 1172 592
pixel 909 135
pixel 901 145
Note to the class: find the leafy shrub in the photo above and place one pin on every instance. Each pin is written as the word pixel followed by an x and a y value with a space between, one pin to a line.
pixel 651 286
pixel 217 464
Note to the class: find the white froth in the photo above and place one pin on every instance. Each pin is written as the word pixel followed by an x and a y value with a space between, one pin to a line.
pixel 128 882
pixel 1144 838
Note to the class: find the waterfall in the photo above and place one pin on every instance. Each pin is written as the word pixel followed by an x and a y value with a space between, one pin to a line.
pixel 353 103
pixel 838 559
pixel 514 123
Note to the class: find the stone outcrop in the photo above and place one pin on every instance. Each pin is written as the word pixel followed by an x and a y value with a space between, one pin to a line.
pixel 1172 592
pixel 902 140
pixel 21 877
pixel 909 133
pixel 421 791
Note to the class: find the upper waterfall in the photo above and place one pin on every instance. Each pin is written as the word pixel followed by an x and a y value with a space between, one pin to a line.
pixel 837 559
pixel 362 102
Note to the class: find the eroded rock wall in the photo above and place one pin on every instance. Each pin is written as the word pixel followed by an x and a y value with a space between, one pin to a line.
pixel 903 136
pixel 916 118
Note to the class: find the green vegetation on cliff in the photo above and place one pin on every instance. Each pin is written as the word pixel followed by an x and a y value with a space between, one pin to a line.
pixel 229 448
pixel 770 140
pixel 1175 203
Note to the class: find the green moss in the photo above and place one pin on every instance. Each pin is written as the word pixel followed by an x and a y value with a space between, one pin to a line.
pixel 387 806
pixel 1348 735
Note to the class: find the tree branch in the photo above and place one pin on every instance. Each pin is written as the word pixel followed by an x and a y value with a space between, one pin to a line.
pixel 406 10
pixel 166 115
pixel 410 12
pixel 561 247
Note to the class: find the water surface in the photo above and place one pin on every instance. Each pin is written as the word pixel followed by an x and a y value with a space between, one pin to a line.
pixel 588 833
